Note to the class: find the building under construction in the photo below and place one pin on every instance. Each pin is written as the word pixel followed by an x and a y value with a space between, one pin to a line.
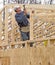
pixel 13 51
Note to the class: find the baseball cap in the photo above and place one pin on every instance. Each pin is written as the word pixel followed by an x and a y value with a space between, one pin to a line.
pixel 15 8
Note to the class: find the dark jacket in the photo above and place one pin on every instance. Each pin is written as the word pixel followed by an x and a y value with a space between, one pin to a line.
pixel 21 19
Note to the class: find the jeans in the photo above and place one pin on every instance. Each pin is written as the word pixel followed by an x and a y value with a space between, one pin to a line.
pixel 25 35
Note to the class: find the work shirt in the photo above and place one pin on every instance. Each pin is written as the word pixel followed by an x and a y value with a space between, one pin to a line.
pixel 22 21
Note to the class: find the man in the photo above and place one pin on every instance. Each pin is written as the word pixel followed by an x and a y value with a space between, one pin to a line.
pixel 22 21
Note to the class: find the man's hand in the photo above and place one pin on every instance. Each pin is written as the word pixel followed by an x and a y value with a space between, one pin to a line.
pixel 24 9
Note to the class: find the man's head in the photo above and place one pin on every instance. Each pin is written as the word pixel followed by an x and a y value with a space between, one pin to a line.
pixel 17 9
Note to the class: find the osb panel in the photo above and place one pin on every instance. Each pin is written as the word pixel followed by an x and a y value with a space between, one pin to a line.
pixel 4 61
pixel 40 55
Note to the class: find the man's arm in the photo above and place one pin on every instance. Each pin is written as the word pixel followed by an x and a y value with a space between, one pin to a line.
pixel 25 12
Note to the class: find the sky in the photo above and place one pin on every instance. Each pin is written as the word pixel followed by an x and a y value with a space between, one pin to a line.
pixel 42 1
pixel 1 4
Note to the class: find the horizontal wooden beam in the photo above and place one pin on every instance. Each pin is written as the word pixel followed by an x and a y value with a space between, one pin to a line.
pixel 36 6
pixel 45 14
pixel 29 41
pixel 33 7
